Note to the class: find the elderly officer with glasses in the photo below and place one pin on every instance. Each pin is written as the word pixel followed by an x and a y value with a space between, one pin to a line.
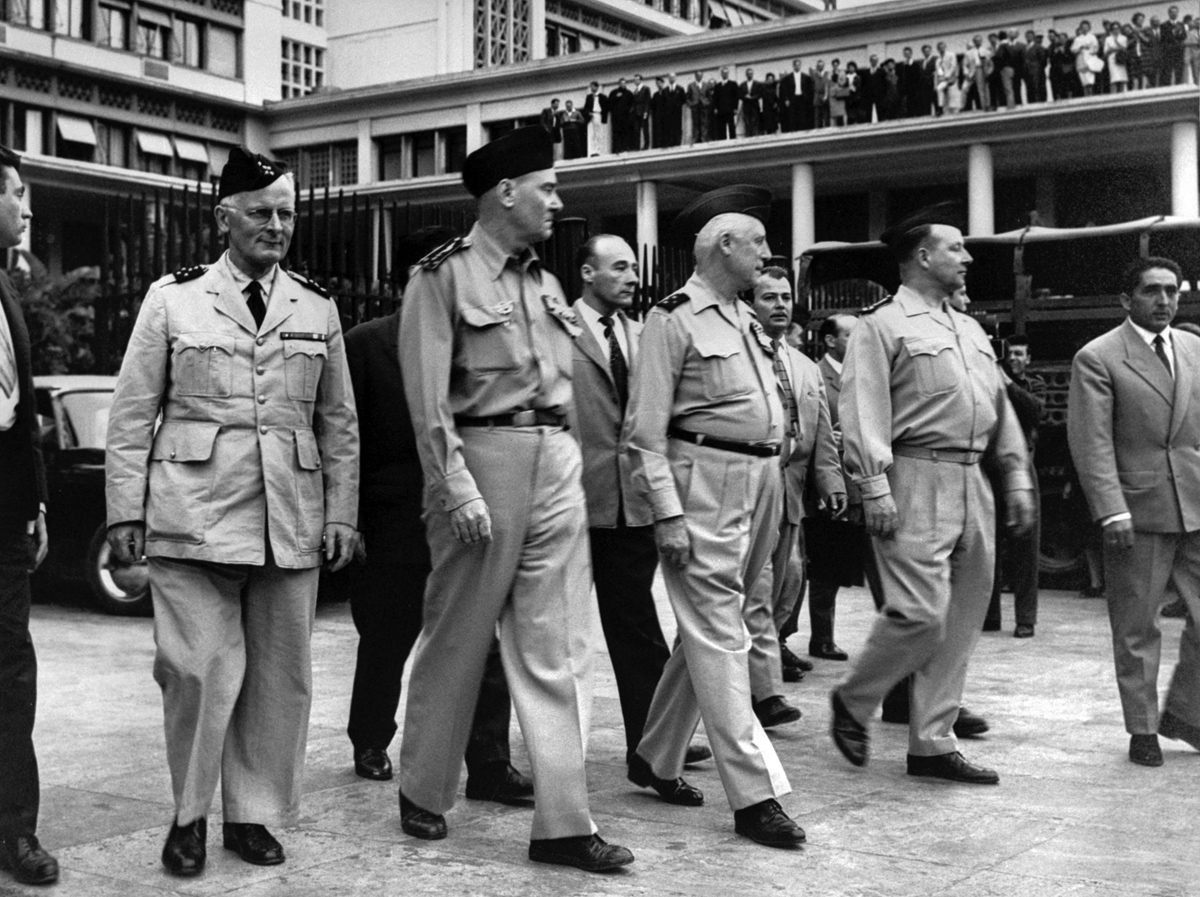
pixel 248 485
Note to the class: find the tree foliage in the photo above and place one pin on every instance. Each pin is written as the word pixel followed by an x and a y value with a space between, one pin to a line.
pixel 60 312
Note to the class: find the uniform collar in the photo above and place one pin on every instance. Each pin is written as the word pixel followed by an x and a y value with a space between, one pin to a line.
pixel 243 280
pixel 495 258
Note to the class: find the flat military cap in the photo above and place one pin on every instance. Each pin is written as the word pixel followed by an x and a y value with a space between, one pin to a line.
pixel 246 171
pixel 741 198
pixel 516 153
pixel 900 237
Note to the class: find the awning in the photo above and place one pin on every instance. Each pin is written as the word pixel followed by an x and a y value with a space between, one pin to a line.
pixel 217 157
pixel 154 144
pixel 76 130
pixel 191 150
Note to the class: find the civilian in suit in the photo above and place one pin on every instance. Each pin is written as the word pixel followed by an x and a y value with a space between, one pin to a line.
pixel 795 99
pixel 1005 61
pixel 246 487
pixel 946 93
pixel 624 122
pixel 872 89
pixel 927 96
pixel 699 100
pixel 641 113
pixel 977 70
pixel 550 121
pixel 1034 70
pixel 1133 426
pixel 750 94
pixel 770 104
pixel 595 113
pixel 809 456
pixel 820 95
pixel 1171 37
pixel 724 107
pixel 571 123
pixel 909 71
pixel 23 545
pixel 674 98
pixel 620 524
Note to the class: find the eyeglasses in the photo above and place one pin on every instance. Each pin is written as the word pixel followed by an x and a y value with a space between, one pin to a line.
pixel 262 217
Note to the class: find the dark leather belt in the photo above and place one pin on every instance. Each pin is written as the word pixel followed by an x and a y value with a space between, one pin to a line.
pixel 725 445
pixel 953 456
pixel 532 418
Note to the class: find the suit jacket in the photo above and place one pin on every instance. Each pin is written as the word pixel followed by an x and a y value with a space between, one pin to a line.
pixel 620 105
pixel 699 94
pixel 641 101
pixel 593 103
pixel 596 421
pixel 725 97
pixel 389 512
pixel 812 457
pixel 23 485
pixel 794 84
pixel 259 435
pixel 750 93
pixel 1134 433
pixel 820 83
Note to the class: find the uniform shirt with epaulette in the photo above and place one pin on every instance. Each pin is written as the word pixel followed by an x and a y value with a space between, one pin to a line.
pixel 482 334
pixel 927 378
pixel 703 367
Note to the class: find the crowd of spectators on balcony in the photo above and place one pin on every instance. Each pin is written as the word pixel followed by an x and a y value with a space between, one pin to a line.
pixel 1004 69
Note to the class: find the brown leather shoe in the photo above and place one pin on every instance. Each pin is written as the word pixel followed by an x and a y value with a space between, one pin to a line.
pixel 591 853
pixel 253 843
pixel 1144 750
pixel 28 861
pixel 675 791
pixel 185 851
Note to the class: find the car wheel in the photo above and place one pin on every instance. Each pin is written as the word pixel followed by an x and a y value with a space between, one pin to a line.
pixel 122 589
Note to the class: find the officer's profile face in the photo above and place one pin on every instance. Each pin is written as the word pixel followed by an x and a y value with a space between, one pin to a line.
pixel 14 214
pixel 260 224
pixel 746 251
pixel 836 345
pixel 612 275
pixel 773 305
pixel 1018 359
pixel 944 257
pixel 1153 304
pixel 532 200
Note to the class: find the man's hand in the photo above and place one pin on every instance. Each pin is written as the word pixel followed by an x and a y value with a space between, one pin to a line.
pixel 880 516
pixel 1119 534
pixel 339 540
pixel 128 541
pixel 360 548
pixel 472 522
pixel 36 528
pixel 674 543
pixel 837 438
pixel 836 503
pixel 1020 512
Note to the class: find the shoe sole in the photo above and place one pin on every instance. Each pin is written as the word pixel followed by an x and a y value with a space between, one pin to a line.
pixel 955 779
pixel 643 780
pixel 1147 761
pixel 373 776
pixel 558 860
pixel 423 834
pixel 783 719
pixel 789 844
pixel 254 862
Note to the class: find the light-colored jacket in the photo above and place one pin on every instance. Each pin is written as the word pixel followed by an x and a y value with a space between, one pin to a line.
pixel 259 432
pixel 1134 433
pixel 813 454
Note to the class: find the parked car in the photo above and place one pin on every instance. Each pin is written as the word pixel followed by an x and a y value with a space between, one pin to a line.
pixel 73 416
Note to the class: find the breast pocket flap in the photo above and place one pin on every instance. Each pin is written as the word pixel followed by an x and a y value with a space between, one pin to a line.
pixel 185 440
pixel 308 456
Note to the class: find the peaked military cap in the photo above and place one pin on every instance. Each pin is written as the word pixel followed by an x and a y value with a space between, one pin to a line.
pixel 902 238
pixel 742 198
pixel 246 171
pixel 516 153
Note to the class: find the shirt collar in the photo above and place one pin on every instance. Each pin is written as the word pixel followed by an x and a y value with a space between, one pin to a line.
pixel 833 363
pixel 495 258
pixel 592 316
pixel 1149 335
pixel 243 280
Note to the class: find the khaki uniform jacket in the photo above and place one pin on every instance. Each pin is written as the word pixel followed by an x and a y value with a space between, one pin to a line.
pixel 813 455
pixel 596 422
pixel 1134 433
pixel 259 433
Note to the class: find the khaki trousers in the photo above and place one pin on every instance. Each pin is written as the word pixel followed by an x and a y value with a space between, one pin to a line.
pixel 535 579
pixel 769 603
pixel 732 506
pixel 937 579
pixel 234 663
pixel 1135 583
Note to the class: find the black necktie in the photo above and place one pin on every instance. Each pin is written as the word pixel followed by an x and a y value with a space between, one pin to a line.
pixel 254 301
pixel 616 361
pixel 1160 350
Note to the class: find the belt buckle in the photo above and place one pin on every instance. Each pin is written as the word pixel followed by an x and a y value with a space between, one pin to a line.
pixel 525 418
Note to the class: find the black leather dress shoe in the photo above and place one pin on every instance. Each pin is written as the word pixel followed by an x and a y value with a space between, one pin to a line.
pixel 793 674
pixel 28 861
pixel 673 791
pixel 1023 630
pixel 775 711
pixel 373 763
pixel 969 725
pixel 849 734
pixel 505 786
pixel 953 767
pixel 789 659
pixel 697 753
pixel 587 852
pixel 185 851
pixel 1171 726
pixel 421 823
pixel 766 823
pixel 991 625
pixel 253 843
pixel 826 651
pixel 1144 750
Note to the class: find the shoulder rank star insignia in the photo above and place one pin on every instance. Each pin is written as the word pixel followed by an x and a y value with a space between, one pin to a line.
pixel 183 275
pixel 875 306
pixel 761 336
pixel 556 307
pixel 432 261
pixel 673 301
pixel 305 282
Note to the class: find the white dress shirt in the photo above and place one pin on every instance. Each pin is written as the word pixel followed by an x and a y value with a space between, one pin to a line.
pixel 591 317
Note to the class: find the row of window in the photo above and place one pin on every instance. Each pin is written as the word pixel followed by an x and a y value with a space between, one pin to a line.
pixel 325 165
pixel 311 12
pixel 157 32
pixel 302 69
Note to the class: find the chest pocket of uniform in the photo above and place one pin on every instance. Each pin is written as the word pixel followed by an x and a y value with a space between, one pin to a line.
pixel 491 341
pixel 723 369
pixel 202 364
pixel 936 364
pixel 303 361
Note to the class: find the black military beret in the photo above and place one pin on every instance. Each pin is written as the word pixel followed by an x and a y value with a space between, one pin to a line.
pixel 742 198
pixel 246 171
pixel 902 238
pixel 516 153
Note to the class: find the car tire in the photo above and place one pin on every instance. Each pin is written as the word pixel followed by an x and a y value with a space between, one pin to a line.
pixel 120 589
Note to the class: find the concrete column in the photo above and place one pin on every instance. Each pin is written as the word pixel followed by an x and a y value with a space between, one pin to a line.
pixel 647 216
pixel 981 205
pixel 537 30
pixel 475 136
pixel 877 210
pixel 804 215
pixel 368 161
pixel 1185 181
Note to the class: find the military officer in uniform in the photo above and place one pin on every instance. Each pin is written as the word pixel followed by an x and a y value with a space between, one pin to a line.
pixel 703 434
pixel 922 403
pixel 248 485
pixel 486 355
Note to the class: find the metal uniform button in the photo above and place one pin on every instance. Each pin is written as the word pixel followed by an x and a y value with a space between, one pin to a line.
pixel 263 429
pixel 262 400
pixel 260 370
pixel 172 453
pixel 259 341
